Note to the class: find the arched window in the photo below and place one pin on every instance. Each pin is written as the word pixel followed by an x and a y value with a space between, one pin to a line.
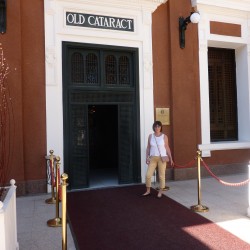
pixel 124 74
pixel 111 70
pixel 77 68
pixel 91 69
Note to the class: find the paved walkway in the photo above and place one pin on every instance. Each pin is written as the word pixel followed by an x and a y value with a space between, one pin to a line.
pixel 32 230
pixel 227 207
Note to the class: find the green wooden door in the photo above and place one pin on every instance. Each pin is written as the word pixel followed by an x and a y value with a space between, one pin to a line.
pixel 100 76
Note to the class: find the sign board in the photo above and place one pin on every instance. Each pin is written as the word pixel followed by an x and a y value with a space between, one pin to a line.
pixel 97 21
pixel 162 114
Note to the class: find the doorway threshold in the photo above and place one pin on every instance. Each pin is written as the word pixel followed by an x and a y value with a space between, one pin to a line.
pixel 105 177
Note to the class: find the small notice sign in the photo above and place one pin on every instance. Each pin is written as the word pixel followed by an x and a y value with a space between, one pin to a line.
pixel 162 114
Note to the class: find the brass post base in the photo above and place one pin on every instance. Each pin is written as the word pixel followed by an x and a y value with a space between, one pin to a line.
pixel 51 200
pixel 199 208
pixel 56 222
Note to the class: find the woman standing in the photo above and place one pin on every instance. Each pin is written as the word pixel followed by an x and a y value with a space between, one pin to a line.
pixel 157 151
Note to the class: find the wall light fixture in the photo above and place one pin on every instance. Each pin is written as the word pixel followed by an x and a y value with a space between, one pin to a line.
pixel 3 14
pixel 183 23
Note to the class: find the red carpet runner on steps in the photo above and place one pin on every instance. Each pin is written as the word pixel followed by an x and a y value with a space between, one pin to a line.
pixel 120 219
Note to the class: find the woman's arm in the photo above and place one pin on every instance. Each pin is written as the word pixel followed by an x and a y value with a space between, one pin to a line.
pixel 168 150
pixel 148 150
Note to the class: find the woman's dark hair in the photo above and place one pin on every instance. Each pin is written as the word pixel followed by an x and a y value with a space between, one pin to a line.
pixel 157 123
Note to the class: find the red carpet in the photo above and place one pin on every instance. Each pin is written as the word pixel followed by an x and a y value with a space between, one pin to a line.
pixel 119 219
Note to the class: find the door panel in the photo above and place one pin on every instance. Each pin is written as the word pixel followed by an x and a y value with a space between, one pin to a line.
pixel 78 150
pixel 126 145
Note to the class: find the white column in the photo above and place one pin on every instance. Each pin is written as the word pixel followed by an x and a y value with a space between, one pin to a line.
pixel 146 90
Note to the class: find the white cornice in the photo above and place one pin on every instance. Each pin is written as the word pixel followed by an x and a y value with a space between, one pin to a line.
pixel 113 1
pixel 231 4
pixel 128 4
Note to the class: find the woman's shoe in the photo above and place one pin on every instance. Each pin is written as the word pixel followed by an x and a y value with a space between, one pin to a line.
pixel 166 188
pixel 159 195
pixel 146 194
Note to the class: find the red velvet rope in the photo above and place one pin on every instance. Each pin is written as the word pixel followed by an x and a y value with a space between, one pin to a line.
pixel 188 165
pixel 53 183
pixel 59 185
pixel 224 182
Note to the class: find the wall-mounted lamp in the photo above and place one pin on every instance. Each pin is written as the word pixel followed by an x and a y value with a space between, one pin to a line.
pixel 183 22
pixel 3 14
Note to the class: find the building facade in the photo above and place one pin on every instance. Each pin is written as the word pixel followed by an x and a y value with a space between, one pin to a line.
pixel 88 79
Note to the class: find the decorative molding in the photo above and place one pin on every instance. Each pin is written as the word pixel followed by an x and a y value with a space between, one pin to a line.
pixel 50 56
pixel 225 146
pixel 148 64
pixel 114 1
pixel 129 4
pixel 229 4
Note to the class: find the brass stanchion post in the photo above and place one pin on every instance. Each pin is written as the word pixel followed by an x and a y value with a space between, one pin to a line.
pixel 51 200
pixel 56 222
pixel 64 211
pixel 199 207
